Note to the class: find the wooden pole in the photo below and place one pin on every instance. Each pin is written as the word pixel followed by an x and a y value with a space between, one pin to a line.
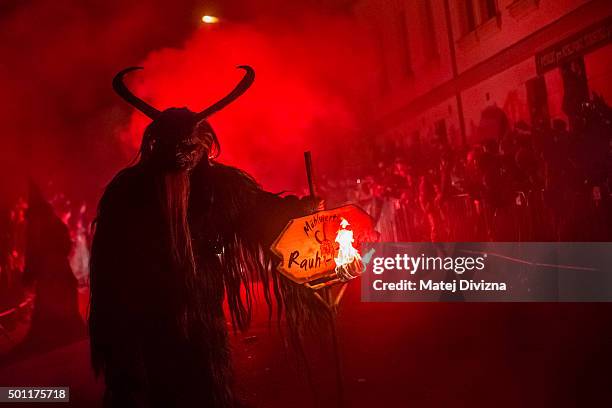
pixel 338 363
pixel 308 163
pixel 327 299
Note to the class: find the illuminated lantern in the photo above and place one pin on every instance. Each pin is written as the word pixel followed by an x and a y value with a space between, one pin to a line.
pixel 320 249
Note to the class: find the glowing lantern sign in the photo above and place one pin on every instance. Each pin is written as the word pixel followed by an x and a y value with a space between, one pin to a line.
pixel 323 248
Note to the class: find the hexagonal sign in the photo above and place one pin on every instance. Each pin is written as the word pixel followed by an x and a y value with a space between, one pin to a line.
pixel 308 246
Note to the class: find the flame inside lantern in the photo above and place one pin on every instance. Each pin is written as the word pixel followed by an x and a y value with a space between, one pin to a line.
pixel 348 261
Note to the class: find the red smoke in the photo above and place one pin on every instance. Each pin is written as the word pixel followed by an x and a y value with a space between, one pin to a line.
pixel 305 96
pixel 62 124
pixel 57 109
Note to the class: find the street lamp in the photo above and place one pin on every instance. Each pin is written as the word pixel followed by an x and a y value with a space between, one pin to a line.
pixel 206 19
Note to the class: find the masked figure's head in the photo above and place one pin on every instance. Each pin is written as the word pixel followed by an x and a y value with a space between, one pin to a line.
pixel 178 138
pixel 176 141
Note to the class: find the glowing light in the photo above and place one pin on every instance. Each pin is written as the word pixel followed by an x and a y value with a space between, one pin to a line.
pixel 210 19
pixel 348 262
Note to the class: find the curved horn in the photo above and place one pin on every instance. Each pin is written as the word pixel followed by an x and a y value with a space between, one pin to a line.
pixel 241 88
pixel 130 98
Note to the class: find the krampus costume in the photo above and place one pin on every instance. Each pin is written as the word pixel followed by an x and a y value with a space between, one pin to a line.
pixel 175 234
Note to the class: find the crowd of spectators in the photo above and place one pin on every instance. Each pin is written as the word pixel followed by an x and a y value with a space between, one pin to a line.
pixel 519 183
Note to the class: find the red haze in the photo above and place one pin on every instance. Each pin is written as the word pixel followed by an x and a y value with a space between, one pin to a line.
pixel 62 124
pixel 57 109
pixel 306 95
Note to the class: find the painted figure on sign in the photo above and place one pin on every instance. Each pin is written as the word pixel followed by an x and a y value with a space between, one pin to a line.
pixel 348 261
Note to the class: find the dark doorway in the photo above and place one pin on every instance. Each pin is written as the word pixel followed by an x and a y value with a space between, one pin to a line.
pixel 537 100
pixel 575 87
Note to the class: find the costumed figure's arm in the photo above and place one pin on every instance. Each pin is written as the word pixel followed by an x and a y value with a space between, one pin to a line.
pixel 258 217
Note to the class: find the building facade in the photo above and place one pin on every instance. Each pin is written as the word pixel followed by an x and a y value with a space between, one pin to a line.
pixel 443 61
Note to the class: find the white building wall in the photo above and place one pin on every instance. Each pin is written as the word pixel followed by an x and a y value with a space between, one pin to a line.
pixel 398 80
pixel 506 90
pixel 515 21
pixel 490 37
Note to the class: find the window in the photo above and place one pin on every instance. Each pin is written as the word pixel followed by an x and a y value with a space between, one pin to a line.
pixel 488 9
pixel 430 44
pixel 440 130
pixel 537 100
pixel 476 12
pixel 470 23
pixel 404 41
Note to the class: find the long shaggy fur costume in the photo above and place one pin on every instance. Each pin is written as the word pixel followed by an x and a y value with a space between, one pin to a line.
pixel 166 252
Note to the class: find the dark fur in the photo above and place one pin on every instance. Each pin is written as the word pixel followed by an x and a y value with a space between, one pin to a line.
pixel 157 326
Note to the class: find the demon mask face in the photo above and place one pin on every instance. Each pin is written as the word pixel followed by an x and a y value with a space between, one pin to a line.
pixel 178 138
pixel 176 141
